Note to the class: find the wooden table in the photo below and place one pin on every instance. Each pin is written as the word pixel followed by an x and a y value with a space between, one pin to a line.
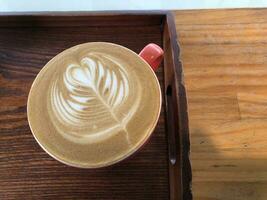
pixel 225 60
pixel 224 53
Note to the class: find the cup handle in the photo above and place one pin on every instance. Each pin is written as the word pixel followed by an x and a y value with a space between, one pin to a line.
pixel 153 55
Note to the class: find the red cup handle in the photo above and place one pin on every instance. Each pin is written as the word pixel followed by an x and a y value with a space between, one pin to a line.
pixel 153 55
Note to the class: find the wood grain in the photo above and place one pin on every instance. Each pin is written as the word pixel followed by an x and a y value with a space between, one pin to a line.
pixel 26 171
pixel 225 66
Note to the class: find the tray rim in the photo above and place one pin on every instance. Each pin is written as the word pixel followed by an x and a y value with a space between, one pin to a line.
pixel 88 13
pixel 186 172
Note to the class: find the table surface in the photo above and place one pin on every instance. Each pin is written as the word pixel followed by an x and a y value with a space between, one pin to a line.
pixel 224 54
pixel 225 64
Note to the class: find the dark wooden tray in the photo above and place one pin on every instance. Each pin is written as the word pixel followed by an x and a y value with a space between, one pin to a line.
pixel 161 170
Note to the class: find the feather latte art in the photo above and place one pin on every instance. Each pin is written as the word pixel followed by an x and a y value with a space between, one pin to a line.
pixel 94 104
pixel 86 99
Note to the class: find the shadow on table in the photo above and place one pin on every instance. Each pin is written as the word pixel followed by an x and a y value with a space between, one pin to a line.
pixel 218 176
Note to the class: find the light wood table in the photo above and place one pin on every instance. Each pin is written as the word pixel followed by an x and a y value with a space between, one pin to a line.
pixel 224 54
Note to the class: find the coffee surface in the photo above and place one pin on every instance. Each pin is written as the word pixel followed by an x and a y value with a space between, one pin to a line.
pixel 94 104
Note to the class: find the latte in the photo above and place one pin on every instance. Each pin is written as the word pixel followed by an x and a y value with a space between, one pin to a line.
pixel 94 104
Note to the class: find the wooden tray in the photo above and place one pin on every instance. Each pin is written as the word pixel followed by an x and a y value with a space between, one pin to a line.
pixel 161 170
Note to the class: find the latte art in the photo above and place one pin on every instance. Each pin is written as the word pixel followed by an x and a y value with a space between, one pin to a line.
pixel 86 99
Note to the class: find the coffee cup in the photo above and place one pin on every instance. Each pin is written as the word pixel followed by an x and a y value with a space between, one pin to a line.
pixel 95 104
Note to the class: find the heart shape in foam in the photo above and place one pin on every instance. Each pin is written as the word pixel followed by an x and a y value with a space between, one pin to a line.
pixel 81 75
